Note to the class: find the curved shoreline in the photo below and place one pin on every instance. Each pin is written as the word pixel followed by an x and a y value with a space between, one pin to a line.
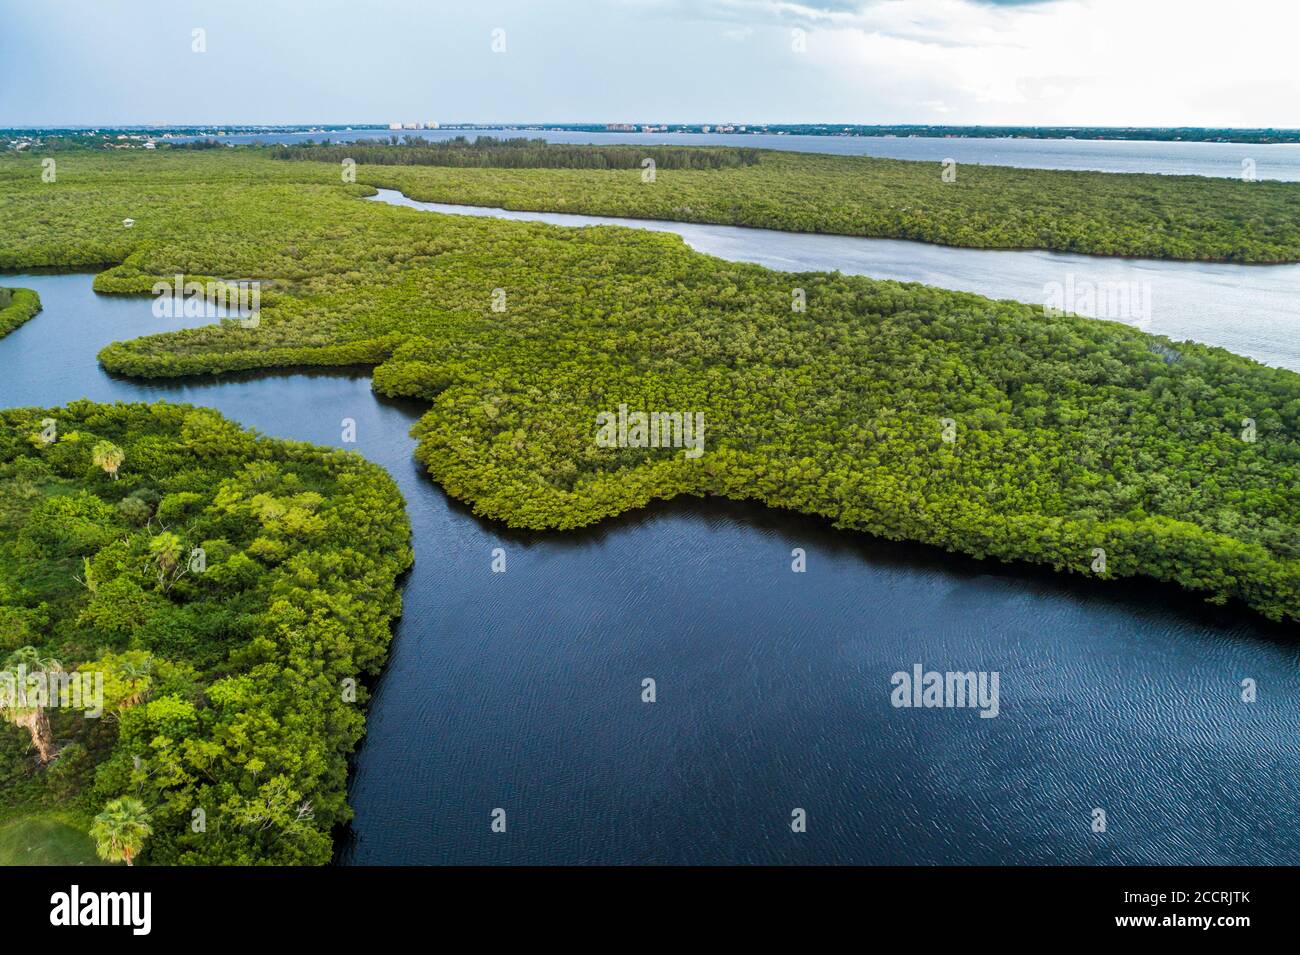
pixel 470 644
pixel 632 221
pixel 17 306
pixel 1197 287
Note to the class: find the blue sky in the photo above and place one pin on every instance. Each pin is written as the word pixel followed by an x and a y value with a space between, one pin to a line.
pixel 1109 62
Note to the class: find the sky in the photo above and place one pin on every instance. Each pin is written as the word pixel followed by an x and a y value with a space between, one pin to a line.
pixel 1023 62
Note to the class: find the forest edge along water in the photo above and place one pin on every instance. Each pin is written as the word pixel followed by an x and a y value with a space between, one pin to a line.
pixel 773 687
pixel 1250 310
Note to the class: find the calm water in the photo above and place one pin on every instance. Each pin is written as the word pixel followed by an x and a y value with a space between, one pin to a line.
pixel 522 690
pixel 1272 161
pixel 1251 310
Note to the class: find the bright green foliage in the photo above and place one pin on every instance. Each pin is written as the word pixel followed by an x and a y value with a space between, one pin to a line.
pixel 121 830
pixel 1071 435
pixel 226 676
pixel 990 207
pixel 107 456
pixel 17 305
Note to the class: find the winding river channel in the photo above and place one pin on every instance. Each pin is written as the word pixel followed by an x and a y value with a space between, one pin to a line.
pixel 1253 310
pixel 523 690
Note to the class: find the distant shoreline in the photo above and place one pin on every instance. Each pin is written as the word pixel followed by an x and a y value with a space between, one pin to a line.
pixel 1251 135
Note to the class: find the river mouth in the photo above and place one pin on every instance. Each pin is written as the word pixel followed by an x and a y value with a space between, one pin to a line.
pixel 523 690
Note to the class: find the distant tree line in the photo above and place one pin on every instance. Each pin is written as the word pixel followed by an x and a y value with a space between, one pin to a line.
pixel 990 207
pixel 521 153
pixel 196 144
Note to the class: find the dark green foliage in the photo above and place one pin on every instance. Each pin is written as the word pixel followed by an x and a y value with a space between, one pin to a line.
pixel 994 207
pixel 487 152
pixel 17 305
pixel 225 676
pixel 1070 434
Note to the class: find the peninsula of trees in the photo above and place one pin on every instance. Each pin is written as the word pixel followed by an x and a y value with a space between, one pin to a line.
pixel 910 412
pixel 17 305
pixel 988 207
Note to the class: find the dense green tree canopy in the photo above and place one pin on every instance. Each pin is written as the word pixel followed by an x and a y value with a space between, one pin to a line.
pixel 1068 435
pixel 17 305
pixel 488 152
pixel 232 592
pixel 994 207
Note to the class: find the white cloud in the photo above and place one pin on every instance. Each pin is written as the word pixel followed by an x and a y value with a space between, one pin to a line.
pixel 1115 62
pixel 1058 62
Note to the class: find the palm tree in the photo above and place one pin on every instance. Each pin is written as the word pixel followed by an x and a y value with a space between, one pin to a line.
pixel 135 672
pixel 108 456
pixel 22 708
pixel 166 549
pixel 121 829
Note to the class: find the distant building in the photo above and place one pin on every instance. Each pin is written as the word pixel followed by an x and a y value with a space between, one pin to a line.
pixel 394 125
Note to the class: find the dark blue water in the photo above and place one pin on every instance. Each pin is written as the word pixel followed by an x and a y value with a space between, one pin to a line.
pixel 522 690
pixel 1271 161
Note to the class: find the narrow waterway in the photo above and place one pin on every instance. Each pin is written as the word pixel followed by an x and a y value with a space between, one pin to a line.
pixel 1253 310
pixel 523 690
